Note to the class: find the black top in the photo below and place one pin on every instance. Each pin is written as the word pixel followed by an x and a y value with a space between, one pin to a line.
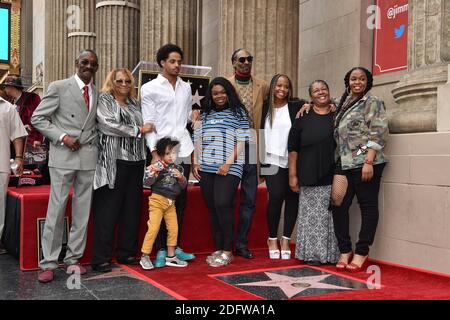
pixel 165 184
pixel 312 137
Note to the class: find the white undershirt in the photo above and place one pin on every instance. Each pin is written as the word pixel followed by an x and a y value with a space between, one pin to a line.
pixel 276 137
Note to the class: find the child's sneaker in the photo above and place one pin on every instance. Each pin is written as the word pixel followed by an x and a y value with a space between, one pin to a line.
pixel 184 255
pixel 175 262
pixel 146 263
pixel 161 258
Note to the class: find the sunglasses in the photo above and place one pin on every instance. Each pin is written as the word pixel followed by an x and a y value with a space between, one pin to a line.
pixel 85 62
pixel 243 59
pixel 123 82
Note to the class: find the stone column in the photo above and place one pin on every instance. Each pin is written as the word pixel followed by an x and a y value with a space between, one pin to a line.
pixel 164 21
pixel 81 26
pixel 269 29
pixel 428 56
pixel 117 28
pixel 56 64
pixel 26 42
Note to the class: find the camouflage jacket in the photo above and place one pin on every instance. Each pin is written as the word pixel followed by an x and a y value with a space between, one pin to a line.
pixel 363 126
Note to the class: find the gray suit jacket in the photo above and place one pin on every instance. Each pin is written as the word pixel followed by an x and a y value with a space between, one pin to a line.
pixel 63 110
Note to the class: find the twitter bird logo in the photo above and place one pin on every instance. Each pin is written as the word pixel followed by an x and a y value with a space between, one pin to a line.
pixel 400 31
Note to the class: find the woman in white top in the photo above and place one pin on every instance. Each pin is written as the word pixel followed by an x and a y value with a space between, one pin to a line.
pixel 278 115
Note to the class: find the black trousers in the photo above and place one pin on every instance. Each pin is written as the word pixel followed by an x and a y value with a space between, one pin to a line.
pixel 367 195
pixel 279 192
pixel 180 204
pixel 219 193
pixel 119 207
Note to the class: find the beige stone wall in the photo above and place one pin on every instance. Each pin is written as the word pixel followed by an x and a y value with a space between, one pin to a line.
pixel 332 41
pixel 414 228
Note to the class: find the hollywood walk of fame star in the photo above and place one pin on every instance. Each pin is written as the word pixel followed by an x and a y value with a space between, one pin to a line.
pixel 196 99
pixel 115 273
pixel 292 286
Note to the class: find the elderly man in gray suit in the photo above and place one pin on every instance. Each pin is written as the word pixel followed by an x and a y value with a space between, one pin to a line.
pixel 67 117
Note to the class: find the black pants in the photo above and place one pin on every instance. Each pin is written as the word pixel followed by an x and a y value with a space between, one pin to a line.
pixel 180 204
pixel 367 195
pixel 120 206
pixel 247 208
pixel 219 193
pixel 279 192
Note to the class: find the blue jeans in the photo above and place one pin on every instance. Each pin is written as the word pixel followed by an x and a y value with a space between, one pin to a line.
pixel 249 189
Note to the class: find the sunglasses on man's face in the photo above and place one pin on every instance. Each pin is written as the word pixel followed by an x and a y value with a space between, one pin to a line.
pixel 243 59
pixel 94 64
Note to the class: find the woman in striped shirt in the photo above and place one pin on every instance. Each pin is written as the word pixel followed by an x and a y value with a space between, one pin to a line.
pixel 218 162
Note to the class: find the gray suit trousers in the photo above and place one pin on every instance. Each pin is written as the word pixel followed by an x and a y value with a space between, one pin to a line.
pixel 61 182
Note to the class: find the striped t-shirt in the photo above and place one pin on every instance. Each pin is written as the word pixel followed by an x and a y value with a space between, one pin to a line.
pixel 219 134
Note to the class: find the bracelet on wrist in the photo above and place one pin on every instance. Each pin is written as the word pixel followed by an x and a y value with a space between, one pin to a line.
pixel 369 162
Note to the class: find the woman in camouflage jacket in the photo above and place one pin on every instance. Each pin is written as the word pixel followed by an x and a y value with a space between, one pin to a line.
pixel 361 129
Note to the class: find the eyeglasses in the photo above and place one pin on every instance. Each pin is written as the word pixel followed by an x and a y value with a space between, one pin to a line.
pixel 243 59
pixel 94 64
pixel 123 82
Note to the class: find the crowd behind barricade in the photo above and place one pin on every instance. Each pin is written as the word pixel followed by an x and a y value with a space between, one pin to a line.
pixel 314 155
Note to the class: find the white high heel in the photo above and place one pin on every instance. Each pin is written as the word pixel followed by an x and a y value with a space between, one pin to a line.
pixel 273 254
pixel 285 254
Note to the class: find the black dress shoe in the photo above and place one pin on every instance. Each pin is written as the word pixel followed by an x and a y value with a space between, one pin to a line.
pixel 104 267
pixel 128 261
pixel 244 252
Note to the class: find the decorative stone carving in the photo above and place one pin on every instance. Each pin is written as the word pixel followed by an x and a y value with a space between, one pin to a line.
pixel 428 56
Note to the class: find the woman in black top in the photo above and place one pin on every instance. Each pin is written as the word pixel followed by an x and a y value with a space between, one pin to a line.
pixel 278 115
pixel 311 167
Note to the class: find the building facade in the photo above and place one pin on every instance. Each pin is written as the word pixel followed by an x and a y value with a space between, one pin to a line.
pixel 306 39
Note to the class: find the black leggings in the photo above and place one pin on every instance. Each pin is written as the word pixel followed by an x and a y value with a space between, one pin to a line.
pixel 119 206
pixel 220 195
pixel 367 195
pixel 279 192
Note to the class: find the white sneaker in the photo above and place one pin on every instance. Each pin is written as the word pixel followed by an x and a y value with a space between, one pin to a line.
pixel 175 262
pixel 146 263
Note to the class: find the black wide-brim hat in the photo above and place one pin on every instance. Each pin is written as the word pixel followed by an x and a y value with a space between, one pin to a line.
pixel 13 81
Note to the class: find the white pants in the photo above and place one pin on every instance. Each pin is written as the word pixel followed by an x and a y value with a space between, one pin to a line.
pixel 4 179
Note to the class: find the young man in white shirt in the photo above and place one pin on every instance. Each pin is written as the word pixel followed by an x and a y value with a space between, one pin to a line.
pixel 167 103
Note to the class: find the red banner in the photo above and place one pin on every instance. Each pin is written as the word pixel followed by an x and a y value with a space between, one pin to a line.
pixel 391 37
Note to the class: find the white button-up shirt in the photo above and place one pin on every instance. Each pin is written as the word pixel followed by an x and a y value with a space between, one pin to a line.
pixel 81 84
pixel 11 128
pixel 169 110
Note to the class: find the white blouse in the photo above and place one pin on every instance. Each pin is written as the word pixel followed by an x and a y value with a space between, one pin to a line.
pixel 276 138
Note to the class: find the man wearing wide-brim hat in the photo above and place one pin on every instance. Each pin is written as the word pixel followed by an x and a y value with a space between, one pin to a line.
pixel 26 103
